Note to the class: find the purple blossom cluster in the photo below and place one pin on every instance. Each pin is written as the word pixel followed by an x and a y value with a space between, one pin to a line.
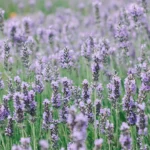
pixel 77 78
pixel 114 90
pixel 78 124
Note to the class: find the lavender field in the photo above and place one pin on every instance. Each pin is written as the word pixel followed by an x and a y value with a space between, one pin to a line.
pixel 74 75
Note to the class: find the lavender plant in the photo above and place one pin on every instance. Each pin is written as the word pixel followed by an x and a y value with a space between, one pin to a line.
pixel 70 77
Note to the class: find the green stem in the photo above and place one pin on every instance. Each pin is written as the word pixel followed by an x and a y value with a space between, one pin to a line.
pixel 95 125
pixel 34 137
pixel 117 127
pixel 3 142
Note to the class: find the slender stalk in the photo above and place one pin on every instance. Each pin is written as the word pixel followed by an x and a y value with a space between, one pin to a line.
pixel 34 137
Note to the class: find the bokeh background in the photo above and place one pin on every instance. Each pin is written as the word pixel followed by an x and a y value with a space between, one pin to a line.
pixel 21 7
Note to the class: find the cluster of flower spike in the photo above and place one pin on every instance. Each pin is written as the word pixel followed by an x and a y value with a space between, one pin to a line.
pixel 65 81
pixel 77 124
pixel 125 137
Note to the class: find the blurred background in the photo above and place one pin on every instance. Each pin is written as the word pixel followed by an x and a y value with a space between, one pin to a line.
pixel 21 7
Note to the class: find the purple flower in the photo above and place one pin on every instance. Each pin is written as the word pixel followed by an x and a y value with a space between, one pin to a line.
pixel 17 81
pixel 124 126
pixel 126 141
pixel 38 86
pixel 79 133
pixel 13 30
pixel 2 12
pixel 71 117
pixel 136 11
pixel 98 143
pixel 114 90
pixel 97 6
pixel 104 113
pixel 54 133
pixel 31 107
pixel 96 67
pixel 87 48
pixel 44 144
pixel 142 120
pixel 9 128
pixel 25 143
pixel 66 89
pixel 109 130
pixel 3 113
pixel 125 138
pixel 27 23
pixel 47 114
pixel 56 96
pixel 6 55
pixel 16 147
pixel 130 85
pixel 66 58
pixel 104 47
pixel 99 90
pixel 19 107
pixel 86 92
pixel 98 104
pixel 25 55
pixel 132 118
